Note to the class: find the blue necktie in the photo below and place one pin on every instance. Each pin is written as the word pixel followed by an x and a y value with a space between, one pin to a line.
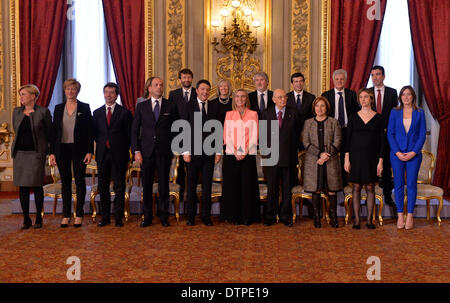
pixel 262 104
pixel 186 97
pixel 341 113
pixel 156 110
pixel 299 103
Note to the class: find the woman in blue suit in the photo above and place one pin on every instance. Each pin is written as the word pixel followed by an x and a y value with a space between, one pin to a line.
pixel 406 134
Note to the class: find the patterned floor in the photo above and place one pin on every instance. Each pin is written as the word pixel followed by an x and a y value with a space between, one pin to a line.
pixel 223 252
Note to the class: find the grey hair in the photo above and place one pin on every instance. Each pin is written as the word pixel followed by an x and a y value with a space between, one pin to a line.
pixel 339 72
pixel 261 74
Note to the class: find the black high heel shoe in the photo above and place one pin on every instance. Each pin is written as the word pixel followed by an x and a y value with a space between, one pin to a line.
pixel 78 224
pixel 356 226
pixel 64 225
pixel 370 226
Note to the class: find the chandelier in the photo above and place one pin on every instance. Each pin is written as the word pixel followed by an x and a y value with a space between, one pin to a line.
pixel 238 42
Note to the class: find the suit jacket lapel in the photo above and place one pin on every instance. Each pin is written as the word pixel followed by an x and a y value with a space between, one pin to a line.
pixel 413 121
pixel 115 114
pixel 149 110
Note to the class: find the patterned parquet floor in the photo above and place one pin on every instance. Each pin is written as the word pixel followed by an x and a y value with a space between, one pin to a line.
pixel 223 252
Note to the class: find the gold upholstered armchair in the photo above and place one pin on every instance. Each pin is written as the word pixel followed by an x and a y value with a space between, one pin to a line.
pixel 299 193
pixel 426 191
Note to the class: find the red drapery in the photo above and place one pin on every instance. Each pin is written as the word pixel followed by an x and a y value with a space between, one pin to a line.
pixel 430 33
pixel 41 32
pixel 125 27
pixel 354 38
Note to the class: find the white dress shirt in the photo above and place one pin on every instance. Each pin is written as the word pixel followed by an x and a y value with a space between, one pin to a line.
pixel 266 92
pixel 336 106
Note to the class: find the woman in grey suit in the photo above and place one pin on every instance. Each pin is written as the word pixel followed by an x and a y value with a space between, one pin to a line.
pixel 32 125
pixel 322 140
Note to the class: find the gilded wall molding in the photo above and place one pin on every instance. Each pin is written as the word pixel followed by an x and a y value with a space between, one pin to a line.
pixel 149 34
pixel 175 41
pixel 2 53
pixel 301 38
pixel 325 45
pixel 14 51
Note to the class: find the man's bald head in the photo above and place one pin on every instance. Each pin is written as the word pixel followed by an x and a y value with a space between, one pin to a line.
pixel 280 98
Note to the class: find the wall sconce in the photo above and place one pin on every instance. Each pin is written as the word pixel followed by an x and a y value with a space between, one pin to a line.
pixel 238 42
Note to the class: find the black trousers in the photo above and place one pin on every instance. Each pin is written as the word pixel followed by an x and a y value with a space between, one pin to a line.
pixel 240 190
pixel 204 165
pixel 65 162
pixel 181 177
pixel 24 195
pixel 160 162
pixel 275 175
pixel 109 169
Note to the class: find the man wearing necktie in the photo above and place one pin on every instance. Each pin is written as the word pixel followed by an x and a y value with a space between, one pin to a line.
pixel 386 98
pixel 198 162
pixel 151 139
pixel 261 98
pixel 287 142
pixel 302 101
pixel 112 127
pixel 181 97
pixel 343 103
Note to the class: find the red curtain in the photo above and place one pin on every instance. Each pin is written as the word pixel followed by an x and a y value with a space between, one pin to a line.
pixel 125 27
pixel 354 39
pixel 430 32
pixel 41 31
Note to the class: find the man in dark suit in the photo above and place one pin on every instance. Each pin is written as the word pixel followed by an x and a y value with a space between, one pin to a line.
pixel 112 128
pixel 181 97
pixel 151 139
pixel 386 99
pixel 200 163
pixel 300 99
pixel 343 103
pixel 289 135
pixel 261 98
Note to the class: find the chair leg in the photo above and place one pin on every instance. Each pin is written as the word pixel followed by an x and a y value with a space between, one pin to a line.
pixel 74 206
pixel 438 215
pixel 127 207
pixel 346 204
pixel 94 209
pixel 405 206
pixel 380 209
pixel 294 211
pixel 326 206
pixel 428 210
pixel 177 206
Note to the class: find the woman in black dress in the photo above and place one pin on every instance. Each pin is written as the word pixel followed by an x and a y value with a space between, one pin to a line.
pixel 224 100
pixel 364 150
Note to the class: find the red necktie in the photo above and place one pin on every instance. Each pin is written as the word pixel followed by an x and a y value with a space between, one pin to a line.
pixel 108 119
pixel 379 101
pixel 280 118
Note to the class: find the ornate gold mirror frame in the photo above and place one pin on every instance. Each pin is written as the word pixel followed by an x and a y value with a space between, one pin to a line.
pixel 325 45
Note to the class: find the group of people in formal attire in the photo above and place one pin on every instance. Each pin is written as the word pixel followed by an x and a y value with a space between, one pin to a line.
pixel 346 136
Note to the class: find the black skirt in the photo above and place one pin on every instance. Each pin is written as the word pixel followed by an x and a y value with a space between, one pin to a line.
pixel 240 190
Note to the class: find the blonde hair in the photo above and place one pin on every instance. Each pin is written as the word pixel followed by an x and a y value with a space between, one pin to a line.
pixel 247 100
pixel 72 81
pixel 230 92
pixel 32 89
